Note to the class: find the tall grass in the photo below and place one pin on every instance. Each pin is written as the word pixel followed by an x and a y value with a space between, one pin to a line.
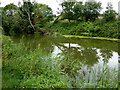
pixel 28 69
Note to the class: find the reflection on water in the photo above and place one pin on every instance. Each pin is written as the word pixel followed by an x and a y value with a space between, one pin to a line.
pixel 75 54
pixel 110 57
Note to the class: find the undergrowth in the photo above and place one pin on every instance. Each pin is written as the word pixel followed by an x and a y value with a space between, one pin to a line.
pixel 98 28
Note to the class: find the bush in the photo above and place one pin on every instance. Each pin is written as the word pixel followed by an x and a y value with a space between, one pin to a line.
pixel 99 28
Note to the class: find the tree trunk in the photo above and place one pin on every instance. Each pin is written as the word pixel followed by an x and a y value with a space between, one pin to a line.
pixel 30 21
pixel 69 20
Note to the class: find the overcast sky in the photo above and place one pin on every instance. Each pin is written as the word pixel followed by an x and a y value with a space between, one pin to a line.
pixel 54 4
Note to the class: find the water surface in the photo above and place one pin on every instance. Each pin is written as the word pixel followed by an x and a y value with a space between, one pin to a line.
pixel 76 54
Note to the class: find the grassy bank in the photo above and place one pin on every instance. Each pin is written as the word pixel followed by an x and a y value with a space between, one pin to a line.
pixel 25 68
pixel 98 28
pixel 101 38
pixel 28 69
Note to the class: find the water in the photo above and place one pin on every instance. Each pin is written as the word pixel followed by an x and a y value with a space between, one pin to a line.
pixel 75 54
pixel 87 51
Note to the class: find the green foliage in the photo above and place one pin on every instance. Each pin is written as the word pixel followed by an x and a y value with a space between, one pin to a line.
pixel 9 17
pixel 34 69
pixel 67 10
pixel 110 30
pixel 43 12
pixel 31 16
pixel 92 10
pixel 109 14
pixel 84 28
pixel 1 30
pixel 28 69
pixel 10 9
pixel 21 19
pixel 78 11
pixel 95 29
pixel 26 14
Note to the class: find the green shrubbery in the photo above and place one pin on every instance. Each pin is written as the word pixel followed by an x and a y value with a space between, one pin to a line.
pixel 28 69
pixel 99 28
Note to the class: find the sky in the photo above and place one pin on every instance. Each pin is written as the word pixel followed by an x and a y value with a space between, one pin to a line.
pixel 54 4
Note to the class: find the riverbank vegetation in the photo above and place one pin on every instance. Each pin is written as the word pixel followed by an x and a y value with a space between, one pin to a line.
pixel 28 69
pixel 75 18
pixel 34 69
pixel 25 64
pixel 97 28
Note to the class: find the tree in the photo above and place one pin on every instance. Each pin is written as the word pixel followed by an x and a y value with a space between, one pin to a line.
pixel 10 9
pixel 26 11
pixel 1 9
pixel 9 17
pixel 109 14
pixel 43 13
pixel 92 10
pixel 21 19
pixel 35 14
pixel 67 12
pixel 78 10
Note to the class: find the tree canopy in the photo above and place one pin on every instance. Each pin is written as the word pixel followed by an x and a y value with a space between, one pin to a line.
pixel 78 10
pixel 21 19
pixel 109 14
pixel 31 17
